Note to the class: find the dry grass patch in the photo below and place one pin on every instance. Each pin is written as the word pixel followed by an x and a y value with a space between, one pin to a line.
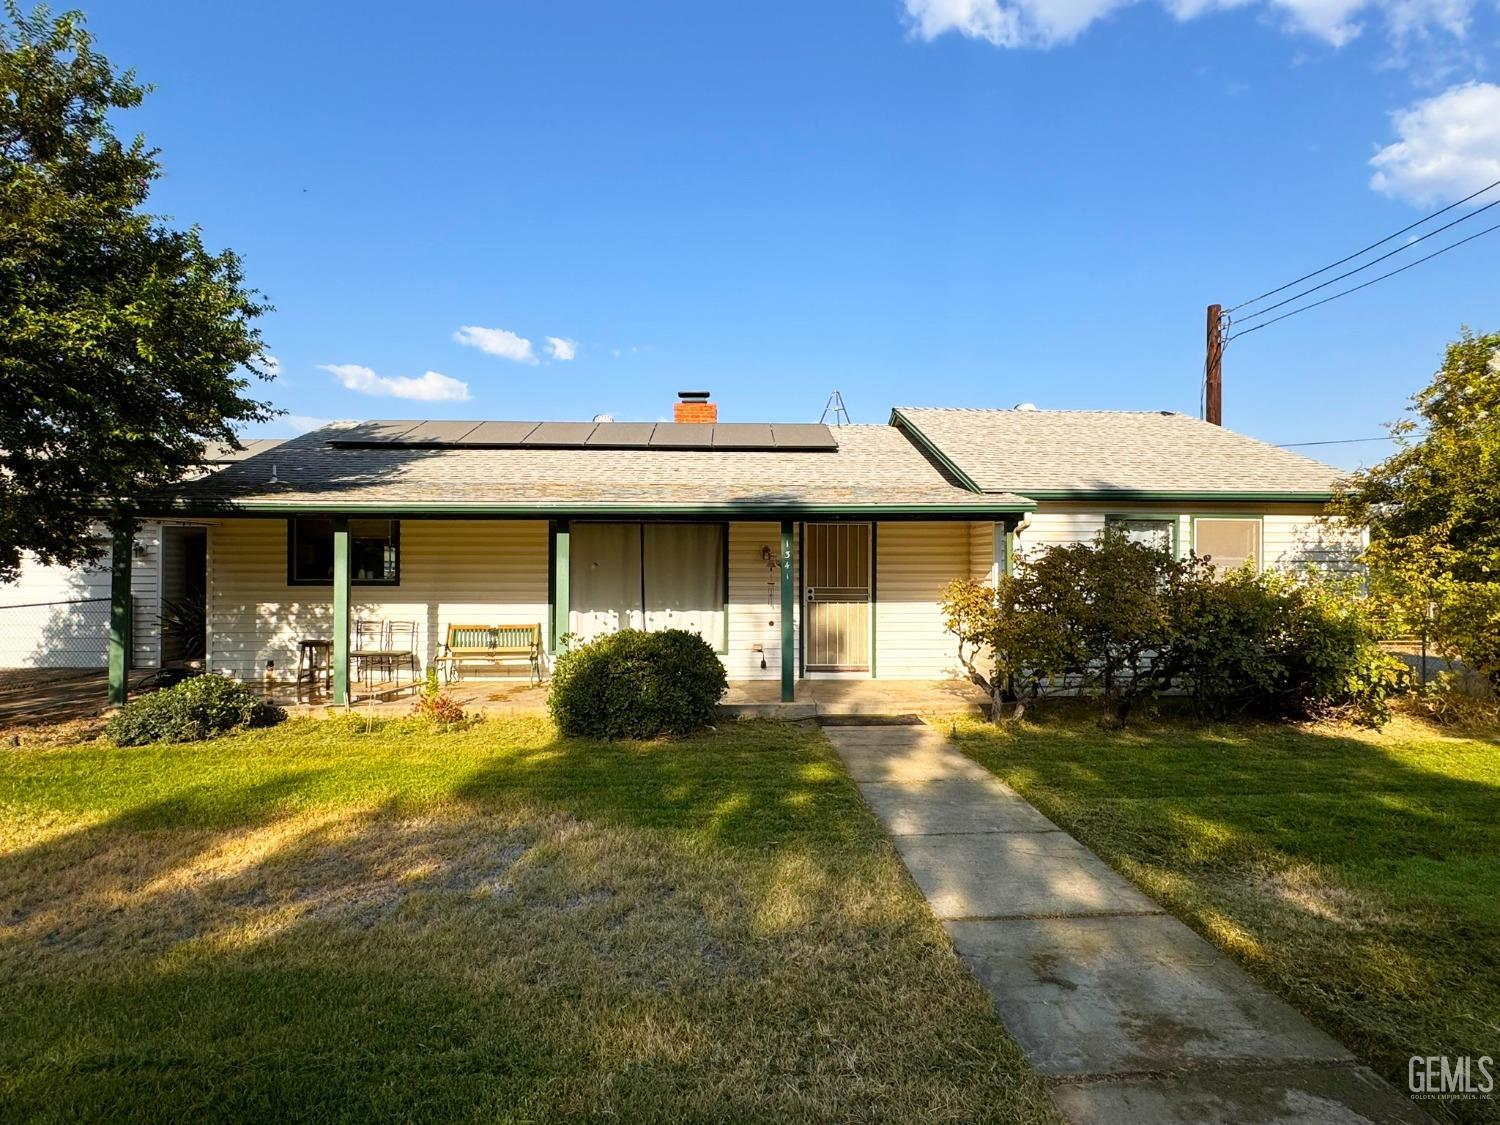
pixel 319 923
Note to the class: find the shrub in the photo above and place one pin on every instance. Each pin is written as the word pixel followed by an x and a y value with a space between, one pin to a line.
pixel 634 684
pixel 1125 623
pixel 191 711
pixel 1281 646
pixel 434 704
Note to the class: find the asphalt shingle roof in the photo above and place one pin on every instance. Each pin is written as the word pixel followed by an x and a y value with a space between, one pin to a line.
pixel 1042 453
pixel 874 466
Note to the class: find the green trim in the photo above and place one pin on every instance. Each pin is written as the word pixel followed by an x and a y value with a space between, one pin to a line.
pixel 562 561
pixel 1124 495
pixel 1260 557
pixel 833 513
pixel 788 655
pixel 724 553
pixel 122 551
pixel 341 589
pixel 874 616
pixel 1172 518
pixel 928 446
pixel 801 584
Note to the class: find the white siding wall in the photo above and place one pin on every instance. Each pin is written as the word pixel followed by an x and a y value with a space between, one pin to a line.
pixel 1291 536
pixel 486 572
pixel 489 572
pixel 914 561
pixel 982 552
pixel 755 601
pixel 54 631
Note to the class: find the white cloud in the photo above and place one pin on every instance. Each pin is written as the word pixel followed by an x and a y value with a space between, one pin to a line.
pixel 270 364
pixel 304 423
pixel 431 387
pixel 1449 146
pixel 496 341
pixel 561 349
pixel 1051 23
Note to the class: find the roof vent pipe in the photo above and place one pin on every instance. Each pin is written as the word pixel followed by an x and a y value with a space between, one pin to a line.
pixel 1024 406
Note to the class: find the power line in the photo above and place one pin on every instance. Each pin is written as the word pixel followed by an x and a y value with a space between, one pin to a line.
pixel 1337 441
pixel 1367 249
pixel 1363 285
pixel 1360 269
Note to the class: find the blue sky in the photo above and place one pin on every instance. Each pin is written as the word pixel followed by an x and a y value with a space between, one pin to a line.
pixel 929 202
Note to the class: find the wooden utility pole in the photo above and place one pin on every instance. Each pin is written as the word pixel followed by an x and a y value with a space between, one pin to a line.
pixel 1213 368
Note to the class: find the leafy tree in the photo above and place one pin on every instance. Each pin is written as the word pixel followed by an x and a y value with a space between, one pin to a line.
pixel 1433 508
pixel 123 342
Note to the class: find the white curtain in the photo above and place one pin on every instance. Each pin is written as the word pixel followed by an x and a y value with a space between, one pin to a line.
pixel 685 579
pixel 605 579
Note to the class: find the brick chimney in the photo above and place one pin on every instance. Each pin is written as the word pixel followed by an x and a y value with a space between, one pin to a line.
pixel 693 406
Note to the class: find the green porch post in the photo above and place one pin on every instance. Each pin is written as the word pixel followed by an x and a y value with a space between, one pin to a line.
pixel 788 650
pixel 340 610
pixel 122 549
pixel 1005 553
pixel 561 570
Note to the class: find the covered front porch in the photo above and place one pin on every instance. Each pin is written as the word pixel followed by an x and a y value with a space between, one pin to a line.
pixel 834 609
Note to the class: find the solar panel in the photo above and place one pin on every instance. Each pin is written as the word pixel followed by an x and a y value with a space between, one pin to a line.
pixel 682 435
pixel 438 433
pixel 805 436
pixel 703 436
pixel 498 433
pixel 370 433
pixel 743 435
pixel 564 435
pixel 621 435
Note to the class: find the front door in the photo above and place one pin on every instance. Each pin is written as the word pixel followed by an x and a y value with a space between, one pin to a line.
pixel 836 593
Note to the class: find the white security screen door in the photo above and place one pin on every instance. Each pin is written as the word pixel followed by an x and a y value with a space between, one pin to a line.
pixel 836 589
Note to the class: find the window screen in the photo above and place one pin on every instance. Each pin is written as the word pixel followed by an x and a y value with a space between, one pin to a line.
pixel 647 576
pixel 374 552
pixel 1147 532
pixel 1229 543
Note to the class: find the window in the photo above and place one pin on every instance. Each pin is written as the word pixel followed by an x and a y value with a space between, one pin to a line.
pixel 1149 532
pixel 374 552
pixel 1229 543
pixel 647 576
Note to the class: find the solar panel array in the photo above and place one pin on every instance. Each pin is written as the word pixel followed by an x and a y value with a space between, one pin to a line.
pixel 739 437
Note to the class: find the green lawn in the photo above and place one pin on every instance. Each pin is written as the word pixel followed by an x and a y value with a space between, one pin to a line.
pixel 1357 874
pixel 320 923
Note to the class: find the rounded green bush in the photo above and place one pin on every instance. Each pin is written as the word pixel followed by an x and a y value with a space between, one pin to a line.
pixel 634 684
pixel 191 711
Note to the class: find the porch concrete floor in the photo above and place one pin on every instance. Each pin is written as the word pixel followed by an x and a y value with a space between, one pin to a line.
pixel 746 699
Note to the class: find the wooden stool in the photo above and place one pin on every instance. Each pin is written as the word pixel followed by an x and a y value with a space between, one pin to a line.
pixel 314 661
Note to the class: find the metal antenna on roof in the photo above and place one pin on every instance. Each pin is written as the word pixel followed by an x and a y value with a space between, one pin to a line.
pixel 836 408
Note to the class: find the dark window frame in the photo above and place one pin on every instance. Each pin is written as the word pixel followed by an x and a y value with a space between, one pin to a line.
pixel 291 556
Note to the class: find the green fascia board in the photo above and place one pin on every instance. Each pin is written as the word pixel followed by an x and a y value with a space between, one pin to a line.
pixel 1197 497
pixel 908 427
pixel 388 510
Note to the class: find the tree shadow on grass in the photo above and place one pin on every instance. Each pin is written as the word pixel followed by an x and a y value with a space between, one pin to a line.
pixel 708 927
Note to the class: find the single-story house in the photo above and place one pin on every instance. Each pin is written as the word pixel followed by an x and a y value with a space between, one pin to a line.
pixel 797 550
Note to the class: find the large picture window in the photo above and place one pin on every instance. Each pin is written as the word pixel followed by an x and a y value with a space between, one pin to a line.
pixel 1229 542
pixel 647 576
pixel 374 552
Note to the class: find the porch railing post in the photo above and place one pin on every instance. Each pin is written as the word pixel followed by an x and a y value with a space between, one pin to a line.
pixel 788 650
pixel 340 611
pixel 561 552
pixel 122 550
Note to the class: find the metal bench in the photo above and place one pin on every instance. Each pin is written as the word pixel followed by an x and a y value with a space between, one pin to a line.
pixel 496 645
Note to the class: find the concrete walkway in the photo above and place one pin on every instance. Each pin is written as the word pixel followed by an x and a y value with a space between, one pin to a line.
pixel 1127 1014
